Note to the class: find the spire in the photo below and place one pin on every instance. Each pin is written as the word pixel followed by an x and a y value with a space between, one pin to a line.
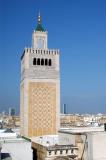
pixel 39 25
pixel 39 18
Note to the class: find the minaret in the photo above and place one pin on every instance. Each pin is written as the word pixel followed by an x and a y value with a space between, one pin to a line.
pixel 40 87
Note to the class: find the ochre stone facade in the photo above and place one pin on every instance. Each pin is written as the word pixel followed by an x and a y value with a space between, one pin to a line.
pixel 42 108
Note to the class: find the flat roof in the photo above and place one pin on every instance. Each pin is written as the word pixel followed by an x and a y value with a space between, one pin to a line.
pixel 18 150
pixel 46 140
pixel 79 130
pixel 51 143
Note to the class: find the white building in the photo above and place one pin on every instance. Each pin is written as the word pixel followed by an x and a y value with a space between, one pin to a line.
pixel 83 129
pixel 6 134
pixel 92 118
pixel 91 141
pixel 96 146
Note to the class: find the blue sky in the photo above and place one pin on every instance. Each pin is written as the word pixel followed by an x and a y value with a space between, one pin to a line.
pixel 78 29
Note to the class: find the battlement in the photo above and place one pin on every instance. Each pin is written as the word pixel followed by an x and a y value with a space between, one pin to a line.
pixel 40 51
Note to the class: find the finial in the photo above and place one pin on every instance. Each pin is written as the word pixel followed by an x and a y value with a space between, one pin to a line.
pixel 39 25
pixel 39 18
pixel 39 13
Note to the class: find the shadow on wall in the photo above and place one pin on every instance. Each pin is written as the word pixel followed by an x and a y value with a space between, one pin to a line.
pixel 5 156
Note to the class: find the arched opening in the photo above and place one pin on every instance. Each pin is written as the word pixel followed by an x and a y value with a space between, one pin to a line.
pixel 72 151
pixel 42 62
pixel 66 151
pixel 38 61
pixel 34 61
pixel 49 152
pixel 50 62
pixel 40 43
pixel 46 62
pixel 35 154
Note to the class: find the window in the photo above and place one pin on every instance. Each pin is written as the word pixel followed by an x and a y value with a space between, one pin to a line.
pixel 46 63
pixel 72 151
pixel 34 61
pixel 66 151
pixel 38 61
pixel 42 62
pixel 49 152
pixel 50 62
pixel 40 43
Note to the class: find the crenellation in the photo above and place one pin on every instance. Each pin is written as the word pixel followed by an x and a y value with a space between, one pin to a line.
pixel 40 51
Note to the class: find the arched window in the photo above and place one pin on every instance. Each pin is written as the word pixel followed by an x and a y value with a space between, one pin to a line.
pixel 34 61
pixel 50 62
pixel 38 61
pixel 49 152
pixel 46 62
pixel 66 151
pixel 72 151
pixel 42 62
pixel 40 43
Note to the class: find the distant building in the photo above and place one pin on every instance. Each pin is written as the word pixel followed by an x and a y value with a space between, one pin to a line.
pixel 102 119
pixel 1 124
pixel 3 113
pixel 12 112
pixel 40 87
pixel 65 109
pixel 69 120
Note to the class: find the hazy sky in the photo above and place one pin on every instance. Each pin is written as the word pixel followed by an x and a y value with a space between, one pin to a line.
pixel 77 28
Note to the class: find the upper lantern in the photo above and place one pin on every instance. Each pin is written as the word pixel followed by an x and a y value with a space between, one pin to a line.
pixel 39 37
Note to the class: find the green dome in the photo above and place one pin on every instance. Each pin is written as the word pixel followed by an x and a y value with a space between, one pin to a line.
pixel 39 28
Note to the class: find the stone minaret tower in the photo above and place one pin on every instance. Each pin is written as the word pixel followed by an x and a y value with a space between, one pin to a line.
pixel 39 87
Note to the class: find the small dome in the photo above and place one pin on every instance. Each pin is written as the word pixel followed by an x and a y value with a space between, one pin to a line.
pixel 40 28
